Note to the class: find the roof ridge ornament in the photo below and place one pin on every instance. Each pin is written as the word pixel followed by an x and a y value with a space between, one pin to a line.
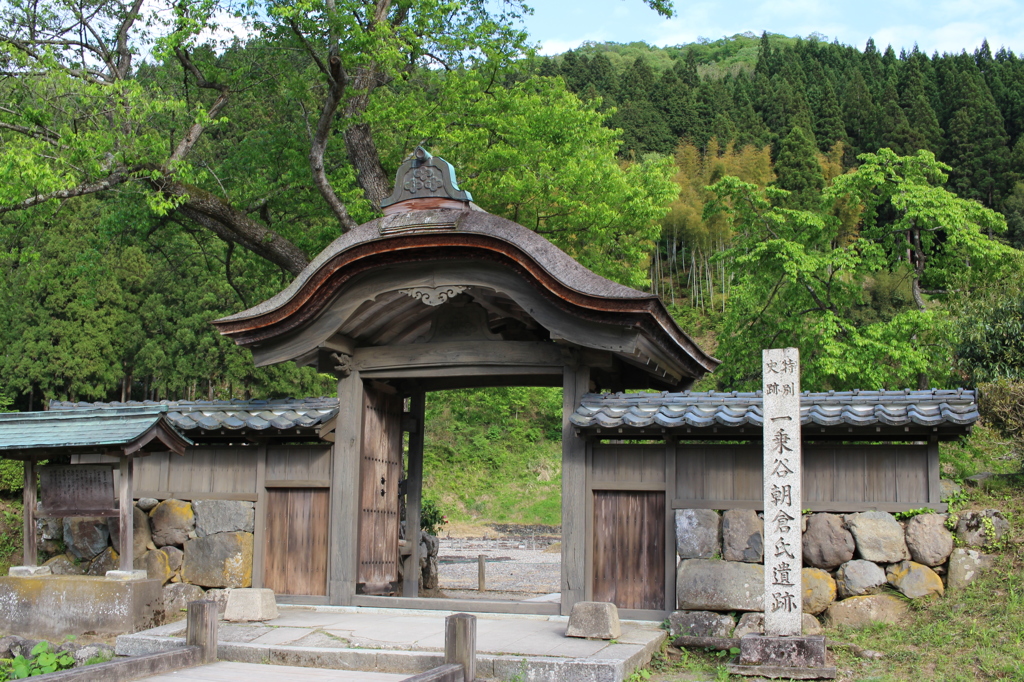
pixel 423 176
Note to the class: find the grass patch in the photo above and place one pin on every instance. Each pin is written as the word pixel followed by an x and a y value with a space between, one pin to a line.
pixel 11 546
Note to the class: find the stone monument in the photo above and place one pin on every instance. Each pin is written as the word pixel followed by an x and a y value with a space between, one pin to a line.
pixel 783 650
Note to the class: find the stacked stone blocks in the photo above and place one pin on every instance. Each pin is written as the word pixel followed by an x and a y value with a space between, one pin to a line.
pixel 848 560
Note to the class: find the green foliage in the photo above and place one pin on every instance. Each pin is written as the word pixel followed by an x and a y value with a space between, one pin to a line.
pixel 40 662
pixel 432 519
pixel 911 513
pixel 495 454
pixel 1001 404
pixel 11 534
pixel 12 475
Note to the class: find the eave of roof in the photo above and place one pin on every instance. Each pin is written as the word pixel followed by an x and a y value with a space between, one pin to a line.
pixel 855 412
pixel 129 428
pixel 399 238
pixel 213 418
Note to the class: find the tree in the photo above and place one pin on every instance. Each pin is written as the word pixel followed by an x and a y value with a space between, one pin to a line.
pixel 909 212
pixel 798 171
pixel 799 284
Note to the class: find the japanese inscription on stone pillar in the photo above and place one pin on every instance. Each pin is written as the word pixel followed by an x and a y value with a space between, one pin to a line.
pixel 783 551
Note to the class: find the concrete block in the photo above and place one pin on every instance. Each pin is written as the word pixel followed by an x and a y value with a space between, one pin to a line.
pixel 126 575
pixel 594 619
pixel 250 604
pixel 55 606
pixel 28 571
pixel 792 652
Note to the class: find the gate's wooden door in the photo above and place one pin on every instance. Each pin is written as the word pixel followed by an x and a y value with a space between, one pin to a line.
pixel 295 556
pixel 629 549
pixel 380 471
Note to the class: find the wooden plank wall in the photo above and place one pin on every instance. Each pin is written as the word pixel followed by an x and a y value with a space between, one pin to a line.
pixel 843 478
pixel 295 558
pixel 629 549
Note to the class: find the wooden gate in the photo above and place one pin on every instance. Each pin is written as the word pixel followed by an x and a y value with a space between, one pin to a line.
pixel 295 560
pixel 629 549
pixel 380 472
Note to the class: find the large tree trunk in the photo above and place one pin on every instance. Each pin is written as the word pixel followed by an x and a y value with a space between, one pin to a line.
pixel 362 152
pixel 232 225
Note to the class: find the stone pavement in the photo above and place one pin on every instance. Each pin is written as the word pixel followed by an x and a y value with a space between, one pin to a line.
pixel 407 641
pixel 250 672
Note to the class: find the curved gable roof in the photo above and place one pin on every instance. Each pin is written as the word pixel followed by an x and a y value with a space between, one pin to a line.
pixel 438 235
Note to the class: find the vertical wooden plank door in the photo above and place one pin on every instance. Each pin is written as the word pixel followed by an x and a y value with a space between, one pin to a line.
pixel 295 556
pixel 380 471
pixel 629 549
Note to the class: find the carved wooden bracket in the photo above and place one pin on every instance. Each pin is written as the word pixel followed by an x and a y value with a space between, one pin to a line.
pixel 434 295
pixel 344 366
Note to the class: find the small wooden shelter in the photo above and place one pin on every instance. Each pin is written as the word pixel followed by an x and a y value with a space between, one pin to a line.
pixel 122 434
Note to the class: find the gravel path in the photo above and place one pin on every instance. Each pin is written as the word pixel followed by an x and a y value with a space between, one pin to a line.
pixel 512 570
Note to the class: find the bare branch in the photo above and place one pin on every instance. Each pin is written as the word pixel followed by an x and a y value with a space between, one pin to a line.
pixel 112 180
pixel 319 145
pixel 45 135
pixel 310 50
pixel 190 138
pixel 124 54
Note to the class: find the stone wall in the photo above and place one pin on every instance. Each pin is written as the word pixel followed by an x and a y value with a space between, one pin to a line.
pixel 852 565
pixel 197 548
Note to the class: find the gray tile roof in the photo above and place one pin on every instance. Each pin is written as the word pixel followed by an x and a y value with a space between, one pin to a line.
pixel 853 408
pixel 199 416
pixel 81 428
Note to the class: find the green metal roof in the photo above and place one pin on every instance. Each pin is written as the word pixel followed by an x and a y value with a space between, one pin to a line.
pixel 78 429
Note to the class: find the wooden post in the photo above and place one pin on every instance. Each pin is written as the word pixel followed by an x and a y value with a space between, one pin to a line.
pixel 460 642
pixel 414 496
pixel 29 513
pixel 201 628
pixel 481 573
pixel 344 539
pixel 575 383
pixel 126 515
pixel 259 542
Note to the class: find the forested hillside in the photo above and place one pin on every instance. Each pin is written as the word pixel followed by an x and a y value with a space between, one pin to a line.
pixel 157 173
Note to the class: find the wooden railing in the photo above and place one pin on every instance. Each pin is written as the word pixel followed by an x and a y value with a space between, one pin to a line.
pixel 459 652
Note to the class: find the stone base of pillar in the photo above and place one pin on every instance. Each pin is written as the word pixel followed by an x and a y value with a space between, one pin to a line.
pixel 797 658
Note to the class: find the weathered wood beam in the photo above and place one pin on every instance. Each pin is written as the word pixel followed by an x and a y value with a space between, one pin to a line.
pixel 414 496
pixel 126 516
pixel 456 354
pixel 30 556
pixel 575 383
pixel 344 541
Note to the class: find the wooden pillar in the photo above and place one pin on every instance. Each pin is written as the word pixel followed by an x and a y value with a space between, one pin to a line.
pixel 348 438
pixel 575 383
pixel 414 496
pixel 29 513
pixel 126 514
pixel 934 473
pixel 259 542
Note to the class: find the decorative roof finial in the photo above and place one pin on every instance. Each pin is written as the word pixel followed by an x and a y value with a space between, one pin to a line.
pixel 423 176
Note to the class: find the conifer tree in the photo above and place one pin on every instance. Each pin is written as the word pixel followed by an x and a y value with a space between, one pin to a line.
pixel 766 62
pixel 892 129
pixel 859 115
pixel 977 147
pixel 828 124
pixel 797 170
pixel 637 82
pixel 915 102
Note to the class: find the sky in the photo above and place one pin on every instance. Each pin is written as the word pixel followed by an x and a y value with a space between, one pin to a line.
pixel 942 25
